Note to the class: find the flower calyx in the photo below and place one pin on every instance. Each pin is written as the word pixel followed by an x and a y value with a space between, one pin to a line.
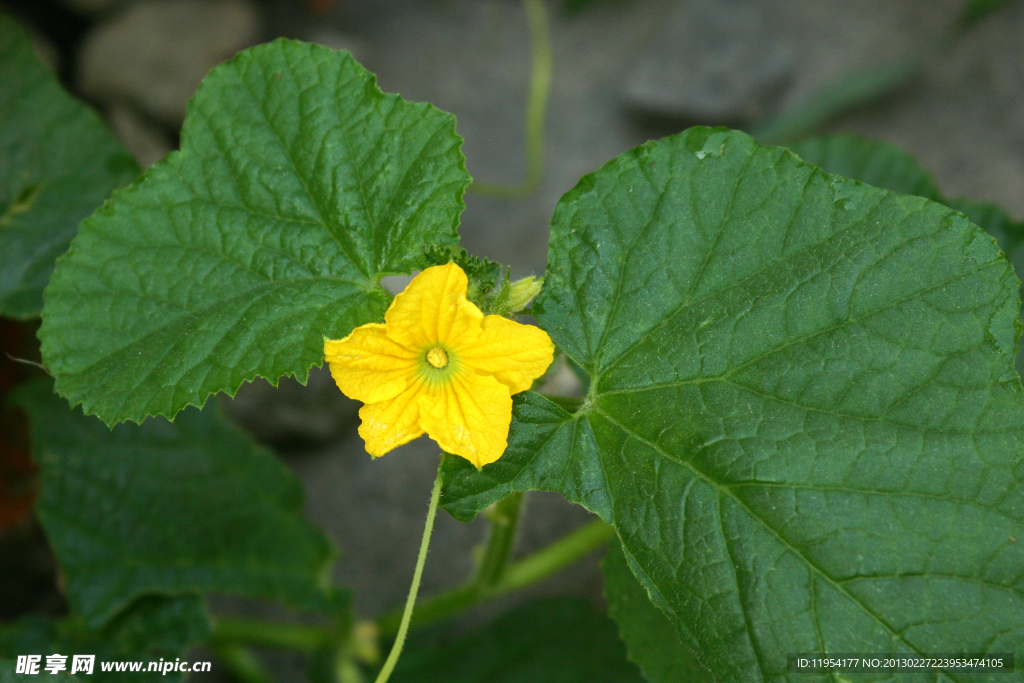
pixel 489 285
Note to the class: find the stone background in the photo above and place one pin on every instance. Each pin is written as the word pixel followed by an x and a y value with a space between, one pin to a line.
pixel 625 71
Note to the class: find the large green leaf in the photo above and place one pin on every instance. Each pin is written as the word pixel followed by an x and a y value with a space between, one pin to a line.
pixel 150 629
pixel 556 640
pixel 168 509
pixel 58 162
pixel 803 421
pixel 651 640
pixel 298 184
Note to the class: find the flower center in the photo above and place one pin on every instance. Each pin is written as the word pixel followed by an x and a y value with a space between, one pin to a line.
pixel 437 357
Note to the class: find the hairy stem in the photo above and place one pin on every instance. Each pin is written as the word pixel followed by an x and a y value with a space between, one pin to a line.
pixel 410 602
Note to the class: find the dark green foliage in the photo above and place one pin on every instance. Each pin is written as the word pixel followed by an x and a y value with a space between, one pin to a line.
pixel 169 509
pixel 148 630
pixel 557 640
pixel 58 163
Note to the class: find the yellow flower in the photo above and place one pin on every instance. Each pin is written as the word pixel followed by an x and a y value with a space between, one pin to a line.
pixel 438 365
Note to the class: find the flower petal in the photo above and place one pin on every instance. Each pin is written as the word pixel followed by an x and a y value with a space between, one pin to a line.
pixel 512 353
pixel 369 366
pixel 433 308
pixel 468 416
pixel 389 424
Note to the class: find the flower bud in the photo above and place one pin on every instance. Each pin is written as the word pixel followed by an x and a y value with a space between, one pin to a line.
pixel 523 291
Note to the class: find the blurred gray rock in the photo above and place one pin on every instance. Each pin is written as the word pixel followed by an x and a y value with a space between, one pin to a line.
pixel 293 414
pixel 147 142
pixel 336 40
pixel 155 53
pixel 712 61
pixel 835 39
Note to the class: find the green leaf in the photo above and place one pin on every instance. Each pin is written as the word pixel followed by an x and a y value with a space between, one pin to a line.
pixel 803 421
pixel 869 161
pixel 556 640
pixel 8 675
pixel 652 642
pixel 150 629
pixel 168 509
pixel 58 162
pixel 298 185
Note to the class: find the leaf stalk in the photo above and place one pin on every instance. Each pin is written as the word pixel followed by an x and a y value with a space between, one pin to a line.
pixel 504 519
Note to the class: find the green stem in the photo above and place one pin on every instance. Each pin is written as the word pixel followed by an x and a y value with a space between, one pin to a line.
pixel 536 106
pixel 504 518
pixel 410 602
pixel 244 667
pixel 270 634
pixel 525 572
pixel 549 560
